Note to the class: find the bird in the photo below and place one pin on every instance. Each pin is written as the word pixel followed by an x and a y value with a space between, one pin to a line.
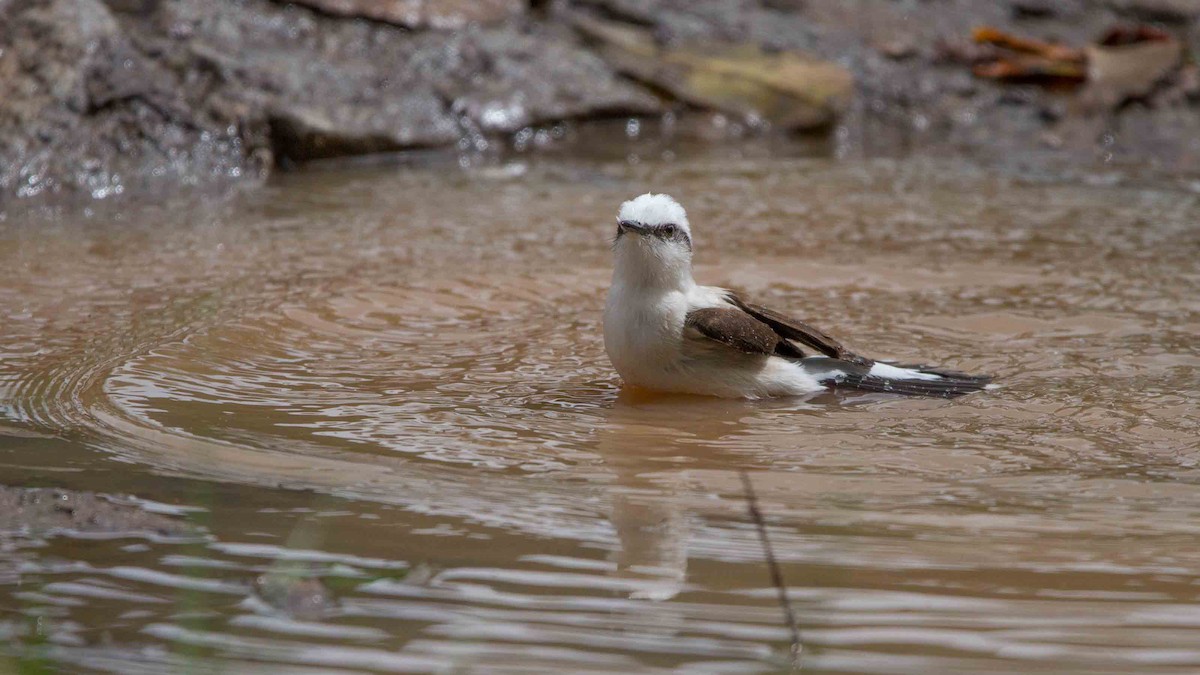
pixel 664 332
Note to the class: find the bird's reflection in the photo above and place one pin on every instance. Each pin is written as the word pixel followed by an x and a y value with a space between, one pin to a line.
pixel 657 445
pixel 670 455
pixel 653 533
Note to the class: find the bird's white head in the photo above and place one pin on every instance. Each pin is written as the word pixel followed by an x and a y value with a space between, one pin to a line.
pixel 653 245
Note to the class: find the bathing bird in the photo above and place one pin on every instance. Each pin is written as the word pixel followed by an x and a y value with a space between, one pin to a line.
pixel 665 332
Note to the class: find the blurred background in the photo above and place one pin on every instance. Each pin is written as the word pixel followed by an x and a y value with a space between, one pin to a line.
pixel 103 97
pixel 301 366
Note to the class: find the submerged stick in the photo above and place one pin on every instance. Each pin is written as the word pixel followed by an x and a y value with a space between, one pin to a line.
pixel 773 565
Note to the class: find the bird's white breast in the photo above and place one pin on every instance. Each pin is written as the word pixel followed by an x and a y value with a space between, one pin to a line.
pixel 643 331
pixel 646 341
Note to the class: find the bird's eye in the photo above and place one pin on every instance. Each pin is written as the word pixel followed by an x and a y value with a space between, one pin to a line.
pixel 668 230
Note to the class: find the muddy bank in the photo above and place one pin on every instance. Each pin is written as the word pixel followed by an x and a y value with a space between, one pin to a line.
pixel 101 99
pixel 44 511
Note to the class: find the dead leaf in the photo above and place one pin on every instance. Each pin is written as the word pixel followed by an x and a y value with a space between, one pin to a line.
pixel 1027 60
pixel 1030 68
pixel 1127 62
pixel 1117 74
pixel 1047 50
pixel 1128 35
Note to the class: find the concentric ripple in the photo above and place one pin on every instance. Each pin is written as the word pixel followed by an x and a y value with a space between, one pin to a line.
pixel 484 372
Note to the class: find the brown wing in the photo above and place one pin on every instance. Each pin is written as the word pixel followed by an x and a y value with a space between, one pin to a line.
pixel 753 329
pixel 792 329
pixel 734 328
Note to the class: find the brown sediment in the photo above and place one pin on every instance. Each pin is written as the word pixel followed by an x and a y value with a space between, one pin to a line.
pixel 40 511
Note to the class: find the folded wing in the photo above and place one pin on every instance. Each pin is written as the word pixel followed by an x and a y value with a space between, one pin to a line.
pixel 793 329
pixel 741 331
pixel 754 329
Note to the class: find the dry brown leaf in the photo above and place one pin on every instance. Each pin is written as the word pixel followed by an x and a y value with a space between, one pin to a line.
pixel 1048 50
pixel 1128 71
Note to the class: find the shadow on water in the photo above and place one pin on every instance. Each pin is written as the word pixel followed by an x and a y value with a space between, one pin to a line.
pixel 380 398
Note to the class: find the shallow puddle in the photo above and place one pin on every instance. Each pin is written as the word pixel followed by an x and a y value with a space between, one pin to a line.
pixel 382 394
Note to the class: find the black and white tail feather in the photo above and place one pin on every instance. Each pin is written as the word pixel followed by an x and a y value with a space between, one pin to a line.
pixel 939 382
pixel 838 368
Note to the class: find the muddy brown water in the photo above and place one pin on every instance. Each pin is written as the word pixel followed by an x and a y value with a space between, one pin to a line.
pixel 392 380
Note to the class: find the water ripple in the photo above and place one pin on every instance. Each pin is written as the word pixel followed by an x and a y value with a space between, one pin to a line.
pixel 479 493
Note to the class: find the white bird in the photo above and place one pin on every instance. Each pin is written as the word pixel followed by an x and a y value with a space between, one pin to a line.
pixel 664 332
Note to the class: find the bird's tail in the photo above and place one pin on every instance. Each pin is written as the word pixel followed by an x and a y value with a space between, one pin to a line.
pixel 908 380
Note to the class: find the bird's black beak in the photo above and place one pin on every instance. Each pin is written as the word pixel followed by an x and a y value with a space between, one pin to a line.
pixel 632 226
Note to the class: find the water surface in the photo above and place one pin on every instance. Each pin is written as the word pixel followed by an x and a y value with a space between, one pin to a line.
pixel 382 396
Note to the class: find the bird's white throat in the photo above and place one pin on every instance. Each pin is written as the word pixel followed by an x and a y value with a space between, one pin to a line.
pixel 642 263
pixel 647 256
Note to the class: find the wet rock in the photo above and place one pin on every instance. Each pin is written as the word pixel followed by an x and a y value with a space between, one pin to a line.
pixel 326 87
pixel 898 49
pixel 680 21
pixel 1180 90
pixel 784 5
pixel 83 108
pixel 45 510
pixel 1188 84
pixel 931 89
pixel 298 595
pixel 1037 9
pixel 789 89
pixel 105 97
pixel 1052 111
pixel 1170 134
pixel 505 80
pixel 301 132
pixel 422 13
pixel 1046 9
pixel 372 88
pixel 1166 11
pixel 1050 139
pixel 99 97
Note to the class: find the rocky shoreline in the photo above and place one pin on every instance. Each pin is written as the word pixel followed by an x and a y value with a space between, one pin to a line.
pixel 119 97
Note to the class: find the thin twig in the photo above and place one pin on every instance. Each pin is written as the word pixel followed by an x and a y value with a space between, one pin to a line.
pixel 773 565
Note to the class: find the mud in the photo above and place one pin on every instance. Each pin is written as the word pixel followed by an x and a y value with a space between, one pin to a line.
pixel 52 510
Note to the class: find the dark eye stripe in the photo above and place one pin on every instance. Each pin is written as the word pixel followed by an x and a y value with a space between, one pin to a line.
pixel 666 232
pixel 671 231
